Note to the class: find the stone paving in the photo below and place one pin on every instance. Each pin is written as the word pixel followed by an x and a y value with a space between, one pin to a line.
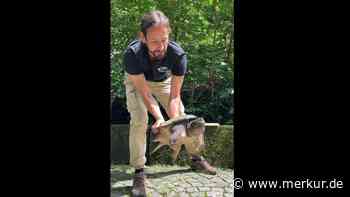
pixel 173 181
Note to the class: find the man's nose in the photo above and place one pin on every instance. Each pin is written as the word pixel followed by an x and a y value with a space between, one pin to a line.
pixel 160 46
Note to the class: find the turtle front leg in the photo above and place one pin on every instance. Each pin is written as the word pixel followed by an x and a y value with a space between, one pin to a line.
pixel 175 151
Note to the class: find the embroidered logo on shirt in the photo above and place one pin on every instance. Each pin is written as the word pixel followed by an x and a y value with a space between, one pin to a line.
pixel 162 69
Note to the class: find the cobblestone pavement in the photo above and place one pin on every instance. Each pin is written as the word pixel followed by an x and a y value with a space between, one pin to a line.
pixel 173 181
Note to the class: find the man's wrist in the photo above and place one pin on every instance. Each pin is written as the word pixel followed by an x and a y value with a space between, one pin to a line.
pixel 159 119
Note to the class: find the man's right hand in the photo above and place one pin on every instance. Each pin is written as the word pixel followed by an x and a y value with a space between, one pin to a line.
pixel 155 126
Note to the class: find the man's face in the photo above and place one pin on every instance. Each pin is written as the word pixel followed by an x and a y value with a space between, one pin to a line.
pixel 157 40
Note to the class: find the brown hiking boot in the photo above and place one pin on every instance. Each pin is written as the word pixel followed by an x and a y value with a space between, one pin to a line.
pixel 138 186
pixel 204 166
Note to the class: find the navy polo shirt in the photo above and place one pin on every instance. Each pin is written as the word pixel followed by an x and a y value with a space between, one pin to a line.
pixel 137 61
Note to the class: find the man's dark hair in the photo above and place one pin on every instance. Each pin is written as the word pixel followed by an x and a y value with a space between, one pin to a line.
pixel 153 18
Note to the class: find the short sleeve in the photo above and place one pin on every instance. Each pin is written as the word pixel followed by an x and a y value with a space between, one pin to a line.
pixel 180 66
pixel 131 63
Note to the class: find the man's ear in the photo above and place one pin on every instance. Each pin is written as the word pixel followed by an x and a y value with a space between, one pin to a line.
pixel 142 37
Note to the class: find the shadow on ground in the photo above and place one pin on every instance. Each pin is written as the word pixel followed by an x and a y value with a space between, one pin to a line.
pixel 121 178
pixel 121 191
pixel 167 173
pixel 125 173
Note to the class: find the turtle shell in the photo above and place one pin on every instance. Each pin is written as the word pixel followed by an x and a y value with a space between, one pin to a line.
pixel 179 119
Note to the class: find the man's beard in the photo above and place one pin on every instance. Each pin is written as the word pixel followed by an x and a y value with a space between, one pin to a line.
pixel 157 55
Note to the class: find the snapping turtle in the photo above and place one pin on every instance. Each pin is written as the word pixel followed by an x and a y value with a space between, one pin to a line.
pixel 185 130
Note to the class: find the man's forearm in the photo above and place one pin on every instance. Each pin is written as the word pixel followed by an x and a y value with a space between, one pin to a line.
pixel 174 107
pixel 152 106
pixel 175 96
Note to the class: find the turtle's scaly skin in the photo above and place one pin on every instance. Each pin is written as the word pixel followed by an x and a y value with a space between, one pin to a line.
pixel 185 130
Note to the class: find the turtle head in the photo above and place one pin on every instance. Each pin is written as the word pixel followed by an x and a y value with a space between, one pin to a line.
pixel 196 127
pixel 196 123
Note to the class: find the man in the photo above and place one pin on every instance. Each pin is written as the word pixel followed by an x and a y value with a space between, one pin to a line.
pixel 156 67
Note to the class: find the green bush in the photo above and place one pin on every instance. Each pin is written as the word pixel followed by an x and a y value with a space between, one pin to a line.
pixel 220 147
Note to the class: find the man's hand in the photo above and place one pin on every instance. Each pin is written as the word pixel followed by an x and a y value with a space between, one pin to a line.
pixel 155 126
